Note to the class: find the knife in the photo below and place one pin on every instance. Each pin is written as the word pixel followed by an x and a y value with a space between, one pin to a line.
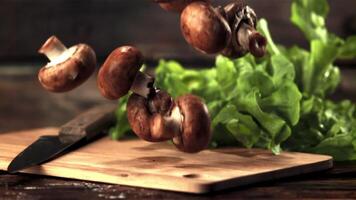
pixel 78 132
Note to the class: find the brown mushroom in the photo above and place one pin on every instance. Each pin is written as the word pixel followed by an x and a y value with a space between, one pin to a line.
pixel 152 113
pixel 186 122
pixel 251 40
pixel 148 120
pixel 175 5
pixel 244 38
pixel 204 27
pixel 196 131
pixel 120 73
pixel 68 68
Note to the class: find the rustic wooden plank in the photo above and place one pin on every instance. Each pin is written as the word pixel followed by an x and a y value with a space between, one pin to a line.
pixel 161 166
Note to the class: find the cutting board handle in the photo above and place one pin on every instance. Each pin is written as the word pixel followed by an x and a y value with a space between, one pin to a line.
pixel 90 123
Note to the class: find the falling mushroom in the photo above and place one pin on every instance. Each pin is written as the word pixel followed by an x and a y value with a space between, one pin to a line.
pixel 186 122
pixel 152 113
pixel 245 38
pixel 68 68
pixel 195 133
pixel 120 73
pixel 204 28
pixel 147 121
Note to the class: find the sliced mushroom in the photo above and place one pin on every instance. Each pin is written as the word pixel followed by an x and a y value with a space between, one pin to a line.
pixel 68 68
pixel 120 73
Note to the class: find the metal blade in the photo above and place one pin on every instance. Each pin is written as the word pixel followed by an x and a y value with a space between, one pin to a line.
pixel 42 150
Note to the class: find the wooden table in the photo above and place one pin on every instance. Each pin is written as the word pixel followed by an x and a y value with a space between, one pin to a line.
pixel 24 105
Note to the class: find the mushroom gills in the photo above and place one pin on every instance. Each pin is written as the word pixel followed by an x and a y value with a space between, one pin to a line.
pixel 143 84
pixel 65 55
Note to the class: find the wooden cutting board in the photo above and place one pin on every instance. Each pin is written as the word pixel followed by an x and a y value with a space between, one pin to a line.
pixel 161 166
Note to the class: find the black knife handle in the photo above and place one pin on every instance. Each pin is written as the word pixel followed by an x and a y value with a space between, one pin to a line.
pixel 89 124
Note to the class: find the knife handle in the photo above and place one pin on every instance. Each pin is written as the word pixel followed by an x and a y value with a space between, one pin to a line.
pixel 89 124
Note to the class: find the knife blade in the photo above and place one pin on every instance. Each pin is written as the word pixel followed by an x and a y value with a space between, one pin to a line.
pixel 78 132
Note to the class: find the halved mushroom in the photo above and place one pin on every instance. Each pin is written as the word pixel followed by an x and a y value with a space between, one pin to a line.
pixel 68 68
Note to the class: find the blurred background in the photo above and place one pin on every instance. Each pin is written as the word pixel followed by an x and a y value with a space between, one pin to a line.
pixel 105 25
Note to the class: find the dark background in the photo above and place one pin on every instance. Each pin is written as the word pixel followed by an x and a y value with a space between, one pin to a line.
pixel 106 24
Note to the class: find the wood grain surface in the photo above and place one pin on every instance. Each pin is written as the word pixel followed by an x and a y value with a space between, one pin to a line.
pixel 161 166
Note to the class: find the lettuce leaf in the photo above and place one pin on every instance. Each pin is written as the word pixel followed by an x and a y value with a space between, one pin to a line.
pixel 309 16
pixel 348 50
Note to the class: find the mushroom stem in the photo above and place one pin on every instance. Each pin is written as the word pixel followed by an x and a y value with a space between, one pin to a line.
pixel 168 126
pixel 143 84
pixel 257 44
pixel 52 48
pixel 176 121
pixel 251 40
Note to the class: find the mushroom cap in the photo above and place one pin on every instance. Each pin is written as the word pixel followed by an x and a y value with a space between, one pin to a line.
pixel 146 125
pixel 175 5
pixel 204 28
pixel 119 71
pixel 139 116
pixel 72 72
pixel 196 133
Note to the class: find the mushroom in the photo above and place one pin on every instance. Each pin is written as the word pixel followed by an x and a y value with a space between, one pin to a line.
pixel 151 118
pixel 152 113
pixel 175 5
pixel 245 38
pixel 195 134
pixel 68 68
pixel 251 40
pixel 120 73
pixel 205 28
pixel 186 122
